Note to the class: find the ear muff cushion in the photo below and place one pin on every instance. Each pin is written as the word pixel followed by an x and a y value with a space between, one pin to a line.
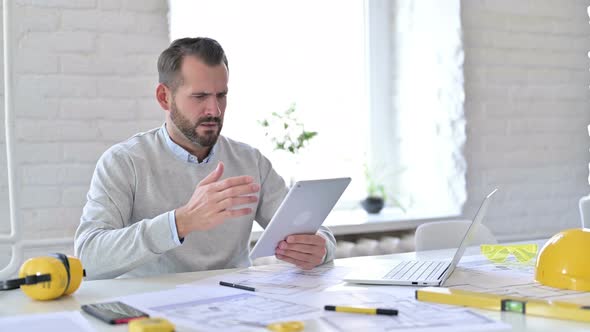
pixel 76 274
pixel 64 260
pixel 47 290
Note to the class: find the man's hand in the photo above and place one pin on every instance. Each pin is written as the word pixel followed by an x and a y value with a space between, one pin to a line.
pixel 212 202
pixel 304 250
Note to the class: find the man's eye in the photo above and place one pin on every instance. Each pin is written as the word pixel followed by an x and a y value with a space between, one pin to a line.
pixel 200 97
pixel 222 95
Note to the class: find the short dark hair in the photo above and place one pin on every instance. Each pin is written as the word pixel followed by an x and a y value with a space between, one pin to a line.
pixel 206 49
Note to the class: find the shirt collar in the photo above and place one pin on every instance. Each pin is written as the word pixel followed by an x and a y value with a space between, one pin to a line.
pixel 181 153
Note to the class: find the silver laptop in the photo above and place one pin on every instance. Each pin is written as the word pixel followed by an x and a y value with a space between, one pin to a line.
pixel 419 272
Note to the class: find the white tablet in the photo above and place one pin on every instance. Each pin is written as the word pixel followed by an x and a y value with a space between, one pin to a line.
pixel 303 211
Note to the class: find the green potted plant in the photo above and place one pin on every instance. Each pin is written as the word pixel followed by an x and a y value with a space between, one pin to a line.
pixel 376 196
pixel 287 133
pixel 376 193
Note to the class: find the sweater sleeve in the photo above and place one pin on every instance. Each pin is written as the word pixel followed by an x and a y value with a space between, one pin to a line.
pixel 272 192
pixel 106 241
pixel 330 243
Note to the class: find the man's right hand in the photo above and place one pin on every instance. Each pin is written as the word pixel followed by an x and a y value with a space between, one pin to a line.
pixel 212 202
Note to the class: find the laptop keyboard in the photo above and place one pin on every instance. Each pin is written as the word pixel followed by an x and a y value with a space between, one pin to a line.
pixel 416 270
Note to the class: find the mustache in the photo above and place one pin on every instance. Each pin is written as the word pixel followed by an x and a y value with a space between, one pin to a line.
pixel 215 119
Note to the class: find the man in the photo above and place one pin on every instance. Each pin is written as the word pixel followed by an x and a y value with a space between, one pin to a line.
pixel 181 197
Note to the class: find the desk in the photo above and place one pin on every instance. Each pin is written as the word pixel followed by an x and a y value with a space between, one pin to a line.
pixel 15 302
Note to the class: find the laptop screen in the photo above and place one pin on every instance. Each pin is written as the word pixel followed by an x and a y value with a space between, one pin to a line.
pixel 469 235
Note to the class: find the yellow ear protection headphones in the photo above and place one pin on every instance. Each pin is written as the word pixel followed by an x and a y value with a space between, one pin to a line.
pixel 47 277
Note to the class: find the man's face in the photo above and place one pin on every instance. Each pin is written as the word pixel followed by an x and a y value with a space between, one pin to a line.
pixel 198 103
pixel 202 132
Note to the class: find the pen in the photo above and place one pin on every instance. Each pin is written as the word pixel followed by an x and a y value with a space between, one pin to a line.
pixel 368 311
pixel 229 284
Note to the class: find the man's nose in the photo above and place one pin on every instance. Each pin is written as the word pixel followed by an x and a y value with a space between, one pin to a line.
pixel 213 106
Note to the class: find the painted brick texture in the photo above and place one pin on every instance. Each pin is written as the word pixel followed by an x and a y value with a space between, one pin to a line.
pixel 527 109
pixel 84 74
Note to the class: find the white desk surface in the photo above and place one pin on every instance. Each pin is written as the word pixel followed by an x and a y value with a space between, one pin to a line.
pixel 15 302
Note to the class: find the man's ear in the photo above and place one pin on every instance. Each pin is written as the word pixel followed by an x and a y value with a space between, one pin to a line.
pixel 164 96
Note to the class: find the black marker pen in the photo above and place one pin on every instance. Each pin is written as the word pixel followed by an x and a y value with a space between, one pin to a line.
pixel 229 284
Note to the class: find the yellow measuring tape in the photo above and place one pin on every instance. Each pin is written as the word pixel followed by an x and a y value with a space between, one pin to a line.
pixel 150 325
pixel 498 253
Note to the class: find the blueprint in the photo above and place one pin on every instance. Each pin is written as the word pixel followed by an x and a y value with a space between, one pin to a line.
pixel 286 293
pixel 282 279
pixel 510 278
pixel 205 308
pixel 413 315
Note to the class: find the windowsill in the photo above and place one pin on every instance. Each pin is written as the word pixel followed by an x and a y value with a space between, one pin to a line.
pixel 357 221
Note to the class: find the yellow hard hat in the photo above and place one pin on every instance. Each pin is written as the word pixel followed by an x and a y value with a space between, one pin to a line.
pixel 562 261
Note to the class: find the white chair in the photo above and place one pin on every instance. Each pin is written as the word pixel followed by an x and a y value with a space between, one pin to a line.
pixel 448 234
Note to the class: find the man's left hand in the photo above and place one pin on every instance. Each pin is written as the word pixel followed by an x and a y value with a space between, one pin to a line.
pixel 304 250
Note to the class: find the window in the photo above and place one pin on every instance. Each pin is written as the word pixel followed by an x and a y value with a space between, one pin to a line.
pixel 310 53
pixel 380 81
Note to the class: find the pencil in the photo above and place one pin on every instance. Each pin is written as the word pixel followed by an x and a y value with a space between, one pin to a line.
pixel 368 311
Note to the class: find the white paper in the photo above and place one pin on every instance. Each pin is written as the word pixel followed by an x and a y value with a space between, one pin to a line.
pixel 51 322
pixel 219 308
pixel 282 279
pixel 286 293
pixel 228 309
pixel 412 315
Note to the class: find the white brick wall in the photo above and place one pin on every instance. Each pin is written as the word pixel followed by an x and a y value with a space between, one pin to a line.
pixel 527 108
pixel 85 73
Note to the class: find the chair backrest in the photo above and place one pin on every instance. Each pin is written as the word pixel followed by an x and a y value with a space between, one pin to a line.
pixel 448 234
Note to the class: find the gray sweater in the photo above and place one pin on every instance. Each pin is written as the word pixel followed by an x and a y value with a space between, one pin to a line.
pixel 137 184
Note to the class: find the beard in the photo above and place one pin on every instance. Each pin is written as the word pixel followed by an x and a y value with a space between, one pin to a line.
pixel 189 130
